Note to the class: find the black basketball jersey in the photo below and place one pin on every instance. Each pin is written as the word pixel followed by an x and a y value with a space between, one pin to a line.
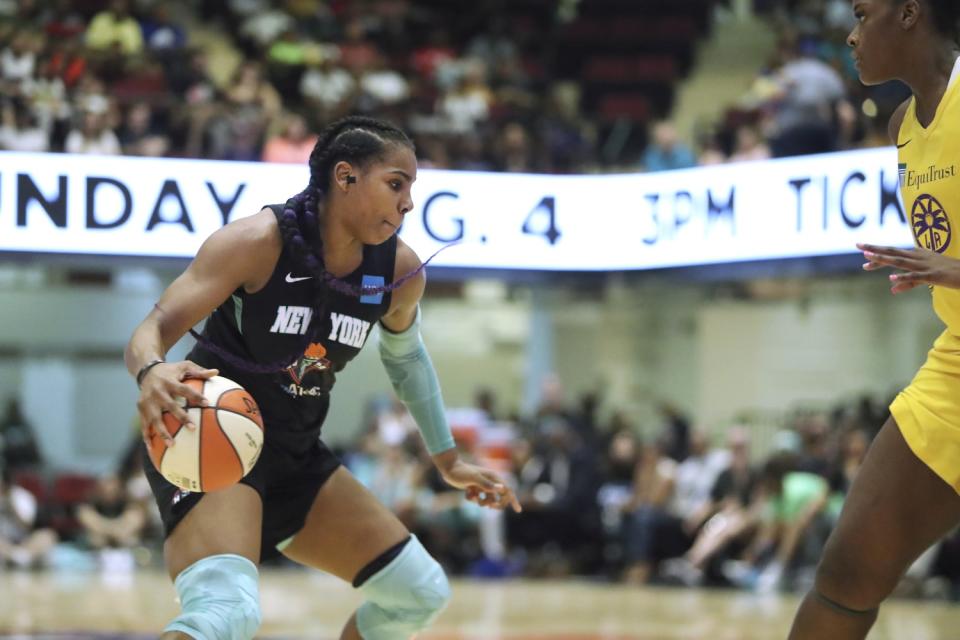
pixel 271 325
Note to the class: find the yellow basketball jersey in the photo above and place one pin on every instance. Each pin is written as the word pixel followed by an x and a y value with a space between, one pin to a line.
pixel 930 186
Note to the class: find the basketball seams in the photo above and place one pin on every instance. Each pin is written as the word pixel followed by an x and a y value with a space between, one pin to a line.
pixel 241 414
pixel 199 426
pixel 163 455
pixel 239 400
pixel 229 440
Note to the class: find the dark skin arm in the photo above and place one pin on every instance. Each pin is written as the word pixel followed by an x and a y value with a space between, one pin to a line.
pixel 481 485
pixel 918 266
pixel 242 253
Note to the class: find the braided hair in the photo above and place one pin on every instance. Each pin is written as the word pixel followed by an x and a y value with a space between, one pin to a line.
pixel 359 141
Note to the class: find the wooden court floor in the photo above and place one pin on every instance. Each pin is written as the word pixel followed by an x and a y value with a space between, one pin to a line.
pixel 301 605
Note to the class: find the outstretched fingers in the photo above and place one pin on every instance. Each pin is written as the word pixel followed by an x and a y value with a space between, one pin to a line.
pixel 493 493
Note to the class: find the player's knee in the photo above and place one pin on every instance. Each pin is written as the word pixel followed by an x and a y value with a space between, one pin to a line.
pixel 852 579
pixel 219 599
pixel 405 597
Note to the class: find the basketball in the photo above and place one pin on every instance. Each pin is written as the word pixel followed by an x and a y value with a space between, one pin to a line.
pixel 224 446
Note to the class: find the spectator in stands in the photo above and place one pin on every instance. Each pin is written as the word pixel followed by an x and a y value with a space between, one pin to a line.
pixel 357 52
pixel 396 480
pixel 749 145
pixel 470 153
pixel 47 98
pixel 237 132
pixel 18 440
pixel 329 90
pixel 653 488
pixel 514 150
pixel 381 87
pixel 161 35
pixel 68 61
pixel 496 47
pixel 731 514
pixel 91 96
pixel 695 479
pixel 19 59
pixel 262 28
pixel 853 449
pixel 809 91
pixel 618 469
pixel 467 105
pixel 110 519
pixel 93 136
pixel 436 53
pixel 22 544
pixel 815 456
pixel 557 487
pixel 394 424
pixel 674 432
pixel 250 89
pixel 19 130
pixel 711 151
pixel 665 151
pixel 141 135
pixel 667 530
pixel 293 143
pixel 197 104
pixel 115 30
pixel 136 486
pixel 795 501
pixel 287 59
pixel 567 138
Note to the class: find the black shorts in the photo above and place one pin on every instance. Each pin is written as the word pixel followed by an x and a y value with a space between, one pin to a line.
pixel 287 483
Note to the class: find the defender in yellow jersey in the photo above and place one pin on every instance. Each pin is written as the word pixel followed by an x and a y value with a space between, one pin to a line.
pixel 905 496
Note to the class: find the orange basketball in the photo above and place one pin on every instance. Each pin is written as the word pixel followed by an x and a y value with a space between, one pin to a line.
pixel 224 446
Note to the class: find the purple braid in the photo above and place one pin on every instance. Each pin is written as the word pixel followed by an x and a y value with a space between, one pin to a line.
pixel 250 366
pixel 355 291
pixel 357 140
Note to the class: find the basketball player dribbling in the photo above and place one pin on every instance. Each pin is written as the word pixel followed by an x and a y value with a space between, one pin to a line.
pixel 904 498
pixel 292 293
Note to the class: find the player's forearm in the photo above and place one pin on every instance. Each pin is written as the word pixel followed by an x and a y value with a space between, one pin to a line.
pixel 414 379
pixel 146 344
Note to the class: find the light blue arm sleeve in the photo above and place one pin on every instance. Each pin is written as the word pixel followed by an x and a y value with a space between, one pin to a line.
pixel 414 379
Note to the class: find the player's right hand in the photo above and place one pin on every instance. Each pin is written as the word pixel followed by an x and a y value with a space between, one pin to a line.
pixel 160 391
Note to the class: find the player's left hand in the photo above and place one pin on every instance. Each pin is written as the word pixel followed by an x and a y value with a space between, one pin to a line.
pixel 481 485
pixel 919 266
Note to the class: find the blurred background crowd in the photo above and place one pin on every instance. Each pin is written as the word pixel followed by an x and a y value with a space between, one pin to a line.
pixel 526 85
pixel 674 503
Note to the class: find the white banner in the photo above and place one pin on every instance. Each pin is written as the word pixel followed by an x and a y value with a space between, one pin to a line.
pixel 798 207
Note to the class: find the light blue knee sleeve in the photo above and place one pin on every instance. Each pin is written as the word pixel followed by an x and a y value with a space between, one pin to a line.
pixel 219 599
pixel 404 597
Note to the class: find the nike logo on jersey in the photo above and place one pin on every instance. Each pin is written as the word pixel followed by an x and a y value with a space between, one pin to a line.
pixel 291 279
pixel 901 146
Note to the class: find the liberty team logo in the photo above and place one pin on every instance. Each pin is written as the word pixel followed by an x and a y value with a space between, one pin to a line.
pixel 931 226
pixel 312 360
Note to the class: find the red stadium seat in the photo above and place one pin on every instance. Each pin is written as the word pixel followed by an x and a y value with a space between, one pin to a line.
pixel 33 482
pixel 631 106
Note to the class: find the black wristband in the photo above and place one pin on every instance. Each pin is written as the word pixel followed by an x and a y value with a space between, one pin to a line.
pixel 145 369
